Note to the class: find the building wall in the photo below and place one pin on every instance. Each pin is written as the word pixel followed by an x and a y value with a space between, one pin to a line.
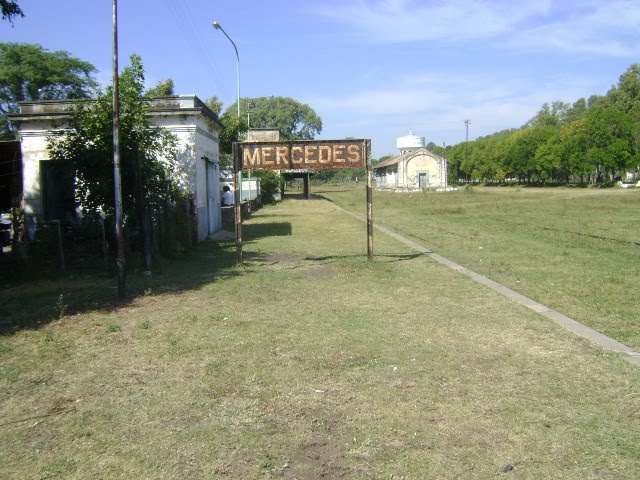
pixel 428 164
pixel 387 178
pixel 198 153
pixel 34 150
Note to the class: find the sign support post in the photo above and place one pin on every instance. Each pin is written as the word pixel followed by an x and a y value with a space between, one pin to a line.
pixel 237 206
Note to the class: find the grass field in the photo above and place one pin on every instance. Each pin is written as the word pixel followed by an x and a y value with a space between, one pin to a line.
pixel 311 362
pixel 576 250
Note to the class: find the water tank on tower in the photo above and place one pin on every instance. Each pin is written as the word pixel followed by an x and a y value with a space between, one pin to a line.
pixel 409 143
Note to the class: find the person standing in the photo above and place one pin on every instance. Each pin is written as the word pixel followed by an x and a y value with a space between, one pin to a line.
pixel 227 197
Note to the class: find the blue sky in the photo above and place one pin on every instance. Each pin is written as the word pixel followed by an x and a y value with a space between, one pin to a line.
pixel 370 69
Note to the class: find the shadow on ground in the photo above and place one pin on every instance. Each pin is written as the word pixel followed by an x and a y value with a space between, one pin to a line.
pixel 385 257
pixel 34 304
pixel 253 231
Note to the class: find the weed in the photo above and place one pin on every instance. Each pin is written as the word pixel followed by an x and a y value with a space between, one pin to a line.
pixel 267 465
pixel 60 307
pixel 114 327
pixel 145 325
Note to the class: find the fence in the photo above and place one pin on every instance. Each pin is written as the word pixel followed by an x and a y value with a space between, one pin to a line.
pixel 88 245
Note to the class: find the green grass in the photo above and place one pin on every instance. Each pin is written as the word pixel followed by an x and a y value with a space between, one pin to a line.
pixel 575 250
pixel 310 362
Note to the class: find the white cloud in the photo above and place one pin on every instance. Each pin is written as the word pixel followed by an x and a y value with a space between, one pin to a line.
pixel 398 21
pixel 603 28
pixel 383 102
pixel 588 26
pixel 437 111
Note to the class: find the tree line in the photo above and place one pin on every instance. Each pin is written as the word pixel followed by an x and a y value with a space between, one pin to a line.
pixel 594 140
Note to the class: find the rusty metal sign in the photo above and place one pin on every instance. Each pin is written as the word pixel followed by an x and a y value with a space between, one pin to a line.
pixel 305 154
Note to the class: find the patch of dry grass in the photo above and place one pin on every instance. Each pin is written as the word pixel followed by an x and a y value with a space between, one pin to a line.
pixel 311 362
pixel 576 250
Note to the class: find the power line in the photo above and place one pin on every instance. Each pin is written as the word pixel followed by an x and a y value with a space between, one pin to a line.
pixel 182 15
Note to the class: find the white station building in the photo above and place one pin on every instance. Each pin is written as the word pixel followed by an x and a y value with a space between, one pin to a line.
pixel 415 168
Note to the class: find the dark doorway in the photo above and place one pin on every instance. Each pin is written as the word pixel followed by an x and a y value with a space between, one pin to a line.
pixel 58 202
pixel 10 175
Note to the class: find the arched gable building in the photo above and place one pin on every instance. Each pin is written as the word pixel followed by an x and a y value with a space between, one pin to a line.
pixel 416 168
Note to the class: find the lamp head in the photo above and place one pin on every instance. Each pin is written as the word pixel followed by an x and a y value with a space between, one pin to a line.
pixel 216 25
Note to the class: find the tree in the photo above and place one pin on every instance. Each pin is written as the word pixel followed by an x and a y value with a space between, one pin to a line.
pixel 523 148
pixel 553 115
pixel 164 88
pixel 294 120
pixel 234 127
pixel 626 95
pixel 10 10
pixel 612 145
pixel 87 145
pixel 30 72
pixel 549 160
pixel 563 141
pixel 577 111
pixel 214 104
pixel 437 149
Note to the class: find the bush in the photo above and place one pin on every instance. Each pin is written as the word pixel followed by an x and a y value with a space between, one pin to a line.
pixel 269 184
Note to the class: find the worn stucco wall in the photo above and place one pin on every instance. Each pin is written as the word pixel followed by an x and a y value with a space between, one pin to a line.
pixel 425 164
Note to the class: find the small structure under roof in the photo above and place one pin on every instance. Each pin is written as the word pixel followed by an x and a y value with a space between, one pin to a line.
pixel 409 143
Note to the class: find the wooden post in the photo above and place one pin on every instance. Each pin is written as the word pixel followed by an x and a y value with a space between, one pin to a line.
pixel 237 207
pixel 104 245
pixel 307 190
pixel 122 292
pixel 142 212
pixel 367 158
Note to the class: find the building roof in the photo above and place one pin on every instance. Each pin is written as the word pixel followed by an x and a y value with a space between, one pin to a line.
pixel 405 156
pixel 61 110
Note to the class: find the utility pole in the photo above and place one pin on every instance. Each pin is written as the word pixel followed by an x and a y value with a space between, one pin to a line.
pixel 446 166
pixel 116 158
pixel 249 128
pixel 466 157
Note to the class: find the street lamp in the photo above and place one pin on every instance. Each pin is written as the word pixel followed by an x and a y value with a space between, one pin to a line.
pixel 217 26
pixel 237 204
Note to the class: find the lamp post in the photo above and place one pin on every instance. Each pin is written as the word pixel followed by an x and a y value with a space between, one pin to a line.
pixel 217 26
pixel 238 177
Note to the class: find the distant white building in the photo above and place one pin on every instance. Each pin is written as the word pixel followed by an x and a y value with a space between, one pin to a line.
pixel 416 168
pixel 47 194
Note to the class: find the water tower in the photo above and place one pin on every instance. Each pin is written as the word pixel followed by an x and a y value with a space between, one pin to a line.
pixel 409 143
